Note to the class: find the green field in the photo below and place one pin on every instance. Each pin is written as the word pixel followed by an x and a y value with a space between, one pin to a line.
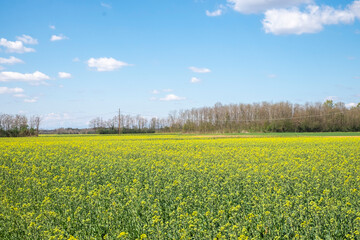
pixel 266 186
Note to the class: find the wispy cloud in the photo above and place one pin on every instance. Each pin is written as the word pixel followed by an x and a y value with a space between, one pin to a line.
pixel 258 6
pixel 16 92
pixel 15 46
pixel 199 70
pixel 195 80
pixel 6 90
pixel 19 95
pixel 172 97
pixel 215 13
pixel 31 100
pixel 155 91
pixel 56 116
pixel 106 64
pixel 52 27
pixel 76 59
pixel 64 75
pixel 26 39
pixel 11 60
pixel 105 5
pixel 271 75
pixel 58 37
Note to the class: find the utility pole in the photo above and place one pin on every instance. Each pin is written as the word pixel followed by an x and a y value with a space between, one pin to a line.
pixel 119 122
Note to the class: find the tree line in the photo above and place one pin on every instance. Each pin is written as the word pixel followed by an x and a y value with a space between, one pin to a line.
pixel 236 118
pixel 19 125
pixel 128 124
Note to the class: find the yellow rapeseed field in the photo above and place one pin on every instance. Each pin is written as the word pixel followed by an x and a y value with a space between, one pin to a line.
pixel 179 187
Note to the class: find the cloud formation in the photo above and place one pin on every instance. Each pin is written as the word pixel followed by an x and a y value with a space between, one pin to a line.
pixel 6 90
pixel 26 39
pixel 19 95
pixel 172 97
pixel 11 60
pixel 215 13
pixel 311 20
pixel 296 16
pixel 199 70
pixel 15 46
pixel 106 64
pixel 32 78
pixel 259 6
pixel 64 75
pixel 58 37
pixel 195 80
pixel 31 100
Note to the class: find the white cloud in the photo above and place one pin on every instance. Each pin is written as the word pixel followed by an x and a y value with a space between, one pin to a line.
pixel 350 105
pixel 195 80
pixel 58 37
pixel 311 20
pixel 105 5
pixel 64 75
pixel 76 59
pixel 155 91
pixel 215 13
pixel 106 64
pixel 172 97
pixel 56 116
pixel 167 90
pixel 26 39
pixel 20 95
pixel 52 27
pixel 257 6
pixel 31 100
pixel 10 60
pixel 199 70
pixel 32 78
pixel 15 46
pixel 6 90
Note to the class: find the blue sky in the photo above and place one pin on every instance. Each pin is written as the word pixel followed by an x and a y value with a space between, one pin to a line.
pixel 70 61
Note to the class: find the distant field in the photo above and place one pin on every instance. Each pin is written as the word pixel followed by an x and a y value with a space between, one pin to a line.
pixel 265 186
